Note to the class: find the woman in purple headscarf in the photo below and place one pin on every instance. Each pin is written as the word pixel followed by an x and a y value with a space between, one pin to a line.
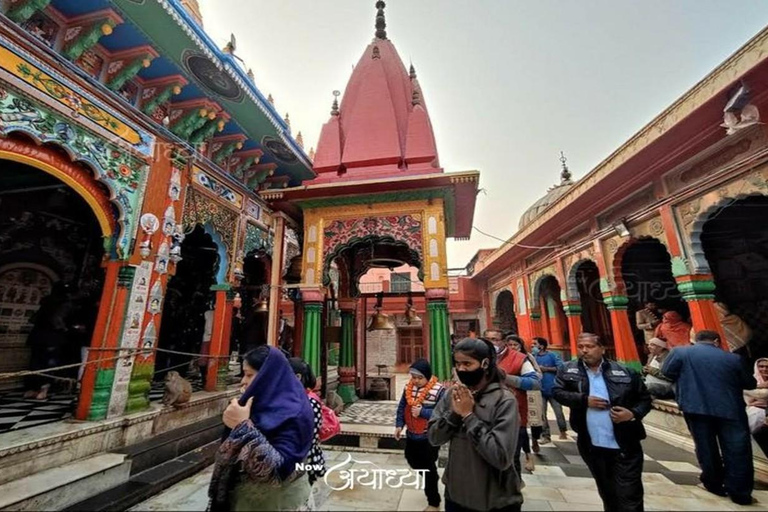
pixel 271 432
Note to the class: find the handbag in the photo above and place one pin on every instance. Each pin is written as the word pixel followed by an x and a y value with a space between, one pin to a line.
pixel 535 403
pixel 331 425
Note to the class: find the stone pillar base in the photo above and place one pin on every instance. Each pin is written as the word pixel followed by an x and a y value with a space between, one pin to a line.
pixel 347 393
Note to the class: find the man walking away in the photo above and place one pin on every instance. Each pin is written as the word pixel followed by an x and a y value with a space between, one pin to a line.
pixel 710 384
pixel 607 402
pixel 549 363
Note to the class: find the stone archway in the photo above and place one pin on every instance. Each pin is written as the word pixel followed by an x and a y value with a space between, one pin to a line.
pixel 504 312
pixel 643 267
pixel 734 241
pixel 584 284
pixel 547 298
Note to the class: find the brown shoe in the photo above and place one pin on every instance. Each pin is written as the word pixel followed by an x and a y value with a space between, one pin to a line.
pixel 530 465
pixel 535 446
pixel 563 436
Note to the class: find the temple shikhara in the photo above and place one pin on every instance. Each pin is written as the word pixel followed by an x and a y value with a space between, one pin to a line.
pixel 158 214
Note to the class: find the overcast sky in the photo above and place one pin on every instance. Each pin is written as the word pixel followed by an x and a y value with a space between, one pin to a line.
pixel 509 83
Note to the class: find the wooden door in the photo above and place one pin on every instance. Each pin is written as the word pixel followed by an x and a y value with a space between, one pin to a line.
pixel 410 345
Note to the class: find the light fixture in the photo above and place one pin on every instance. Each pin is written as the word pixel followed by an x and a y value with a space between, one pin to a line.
pixel 621 228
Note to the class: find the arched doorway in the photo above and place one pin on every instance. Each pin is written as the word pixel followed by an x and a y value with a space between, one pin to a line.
pixel 646 269
pixel 187 302
pixel 594 314
pixel 735 243
pixel 254 292
pixel 554 325
pixel 51 248
pixel 505 319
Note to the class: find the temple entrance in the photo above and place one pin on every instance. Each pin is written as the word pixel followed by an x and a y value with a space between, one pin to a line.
pixel 189 303
pixel 51 248
pixel 594 315
pixel 554 325
pixel 735 243
pixel 646 269
pixel 250 329
pixel 505 319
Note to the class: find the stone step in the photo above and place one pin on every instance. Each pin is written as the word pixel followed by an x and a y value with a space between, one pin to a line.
pixel 60 487
pixel 150 482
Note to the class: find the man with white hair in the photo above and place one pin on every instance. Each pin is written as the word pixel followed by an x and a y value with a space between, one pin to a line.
pixel 658 385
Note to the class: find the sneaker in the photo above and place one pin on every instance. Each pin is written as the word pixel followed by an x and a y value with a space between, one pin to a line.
pixel 545 440
pixel 535 446
pixel 563 436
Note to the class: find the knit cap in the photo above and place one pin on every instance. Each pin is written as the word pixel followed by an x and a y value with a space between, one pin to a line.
pixel 422 367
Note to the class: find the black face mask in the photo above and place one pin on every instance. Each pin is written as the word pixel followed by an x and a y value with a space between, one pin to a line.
pixel 471 378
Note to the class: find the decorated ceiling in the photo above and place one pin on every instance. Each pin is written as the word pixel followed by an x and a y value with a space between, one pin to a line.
pixel 156 57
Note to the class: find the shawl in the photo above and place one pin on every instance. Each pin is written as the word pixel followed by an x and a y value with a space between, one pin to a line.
pixel 758 402
pixel 276 437
pixel 737 332
pixel 673 330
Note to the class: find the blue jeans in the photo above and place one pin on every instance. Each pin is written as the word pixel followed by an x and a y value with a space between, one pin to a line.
pixel 559 416
pixel 724 452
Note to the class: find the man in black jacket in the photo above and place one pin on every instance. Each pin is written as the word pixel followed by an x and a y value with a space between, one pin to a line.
pixel 607 402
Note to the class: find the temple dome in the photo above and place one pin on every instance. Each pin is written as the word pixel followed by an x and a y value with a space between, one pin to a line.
pixel 382 127
pixel 552 196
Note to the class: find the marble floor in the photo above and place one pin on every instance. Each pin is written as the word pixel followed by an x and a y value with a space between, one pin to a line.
pixel 560 481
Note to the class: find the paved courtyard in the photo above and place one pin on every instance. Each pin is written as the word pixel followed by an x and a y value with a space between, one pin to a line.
pixel 560 481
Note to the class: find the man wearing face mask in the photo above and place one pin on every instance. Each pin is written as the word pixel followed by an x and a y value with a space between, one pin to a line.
pixel 607 402
pixel 478 416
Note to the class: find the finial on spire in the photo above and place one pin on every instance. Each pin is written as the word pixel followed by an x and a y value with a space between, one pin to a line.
pixel 271 100
pixel 416 97
pixel 412 73
pixel 335 106
pixel 381 22
pixel 311 154
pixel 300 140
pixel 251 75
pixel 288 121
pixel 565 174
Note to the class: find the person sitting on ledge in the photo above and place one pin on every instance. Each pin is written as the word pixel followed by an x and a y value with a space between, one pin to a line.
pixel 658 385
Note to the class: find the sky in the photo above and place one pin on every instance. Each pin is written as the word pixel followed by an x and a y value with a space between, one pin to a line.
pixel 509 83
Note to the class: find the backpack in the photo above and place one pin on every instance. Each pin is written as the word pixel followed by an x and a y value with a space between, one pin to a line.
pixel 331 425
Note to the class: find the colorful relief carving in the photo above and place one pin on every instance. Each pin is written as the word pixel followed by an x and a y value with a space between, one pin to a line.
pixel 258 239
pixel 218 188
pixel 199 209
pixel 405 228
pixel 124 176
pixel 58 94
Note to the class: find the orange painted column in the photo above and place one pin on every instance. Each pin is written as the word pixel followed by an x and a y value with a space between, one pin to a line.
pixel 573 315
pixel 535 322
pixel 624 340
pixel 96 385
pixel 698 291
pixel 524 327
pixel 217 336
pixel 556 330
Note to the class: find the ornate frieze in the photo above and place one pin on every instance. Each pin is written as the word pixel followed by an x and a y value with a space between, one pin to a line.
pixel 57 93
pixel 124 175
pixel 200 209
pixel 215 186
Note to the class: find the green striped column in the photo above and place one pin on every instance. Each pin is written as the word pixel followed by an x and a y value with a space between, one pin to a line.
pixel 347 372
pixel 138 388
pixel 439 339
pixel 311 349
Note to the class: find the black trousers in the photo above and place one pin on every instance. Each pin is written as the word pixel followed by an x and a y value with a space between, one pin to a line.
pixel 724 452
pixel 422 455
pixel 452 506
pixel 618 474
